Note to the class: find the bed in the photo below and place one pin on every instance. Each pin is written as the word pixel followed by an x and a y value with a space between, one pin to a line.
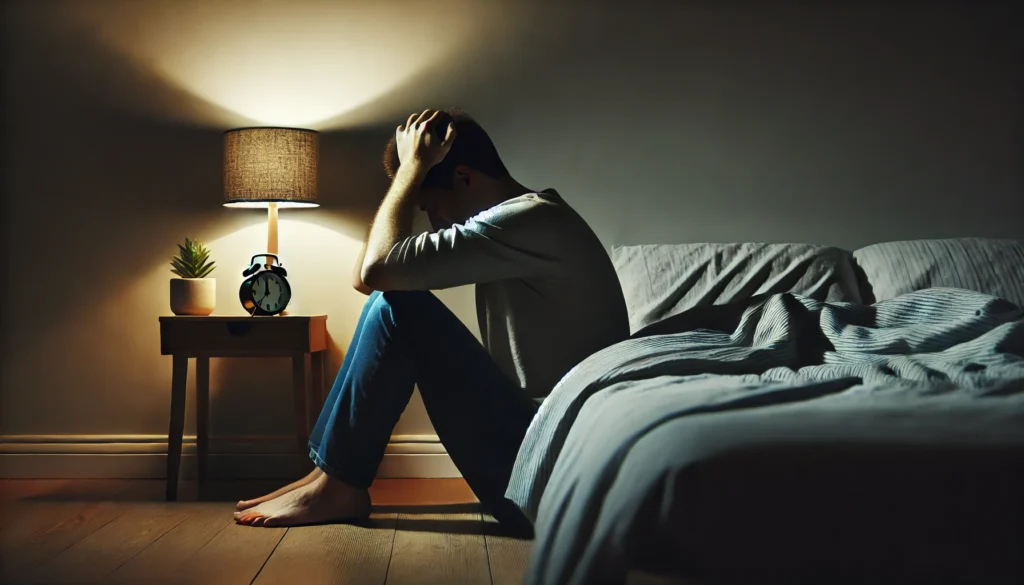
pixel 791 413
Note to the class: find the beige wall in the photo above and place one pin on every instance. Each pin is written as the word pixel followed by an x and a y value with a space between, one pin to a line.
pixel 110 161
pixel 691 123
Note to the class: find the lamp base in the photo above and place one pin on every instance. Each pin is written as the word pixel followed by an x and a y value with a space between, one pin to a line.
pixel 271 230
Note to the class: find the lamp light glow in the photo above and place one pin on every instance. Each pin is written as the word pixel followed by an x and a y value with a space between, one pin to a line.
pixel 323 64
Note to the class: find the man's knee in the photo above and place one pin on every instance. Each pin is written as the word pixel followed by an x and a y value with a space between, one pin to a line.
pixel 399 299
pixel 387 306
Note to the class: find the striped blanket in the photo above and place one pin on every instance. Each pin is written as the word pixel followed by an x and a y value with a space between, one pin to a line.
pixel 937 349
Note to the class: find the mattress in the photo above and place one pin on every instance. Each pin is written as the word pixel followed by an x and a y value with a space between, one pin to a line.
pixel 789 439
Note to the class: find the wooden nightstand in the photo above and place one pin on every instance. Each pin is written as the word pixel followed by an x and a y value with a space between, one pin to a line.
pixel 205 337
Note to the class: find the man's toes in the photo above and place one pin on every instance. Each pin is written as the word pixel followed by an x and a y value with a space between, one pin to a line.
pixel 258 521
pixel 270 522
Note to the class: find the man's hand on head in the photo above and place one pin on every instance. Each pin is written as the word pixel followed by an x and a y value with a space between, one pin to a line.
pixel 419 148
pixel 419 145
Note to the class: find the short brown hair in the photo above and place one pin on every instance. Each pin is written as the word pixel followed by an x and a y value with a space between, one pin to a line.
pixel 472 147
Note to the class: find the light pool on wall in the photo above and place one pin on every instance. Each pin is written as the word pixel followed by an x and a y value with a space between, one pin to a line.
pixel 304 63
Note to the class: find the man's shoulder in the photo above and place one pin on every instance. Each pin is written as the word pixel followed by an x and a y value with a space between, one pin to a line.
pixel 526 207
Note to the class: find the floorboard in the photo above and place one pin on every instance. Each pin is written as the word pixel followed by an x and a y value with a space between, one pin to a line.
pixel 22 489
pixel 23 520
pixel 48 517
pixel 95 556
pixel 234 556
pixel 79 521
pixel 507 556
pixel 339 554
pixel 122 532
pixel 160 562
pixel 439 548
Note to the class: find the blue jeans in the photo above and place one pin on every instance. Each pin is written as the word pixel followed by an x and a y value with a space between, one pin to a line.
pixel 405 338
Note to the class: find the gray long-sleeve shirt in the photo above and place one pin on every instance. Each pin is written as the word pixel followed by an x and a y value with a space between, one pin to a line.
pixel 547 295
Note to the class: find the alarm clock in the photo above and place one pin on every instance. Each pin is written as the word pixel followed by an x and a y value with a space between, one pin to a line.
pixel 265 290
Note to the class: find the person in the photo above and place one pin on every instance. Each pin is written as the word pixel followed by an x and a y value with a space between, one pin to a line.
pixel 547 296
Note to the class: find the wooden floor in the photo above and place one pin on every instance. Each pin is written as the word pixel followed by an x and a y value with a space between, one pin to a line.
pixel 423 531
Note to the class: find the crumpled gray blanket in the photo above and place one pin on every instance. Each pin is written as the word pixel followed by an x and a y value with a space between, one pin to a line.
pixel 937 351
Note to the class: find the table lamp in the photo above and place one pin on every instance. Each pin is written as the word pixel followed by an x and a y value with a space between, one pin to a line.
pixel 270 168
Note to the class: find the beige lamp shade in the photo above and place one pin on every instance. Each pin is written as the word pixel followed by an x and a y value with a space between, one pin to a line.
pixel 270 165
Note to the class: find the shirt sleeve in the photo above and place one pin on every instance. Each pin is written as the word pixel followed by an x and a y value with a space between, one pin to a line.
pixel 501 243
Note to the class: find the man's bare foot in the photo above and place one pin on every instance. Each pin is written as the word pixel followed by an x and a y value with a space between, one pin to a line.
pixel 323 500
pixel 246 504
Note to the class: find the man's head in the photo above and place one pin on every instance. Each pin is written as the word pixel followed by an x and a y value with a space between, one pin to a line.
pixel 467 180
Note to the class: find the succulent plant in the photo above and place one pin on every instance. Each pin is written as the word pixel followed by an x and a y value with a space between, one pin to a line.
pixel 192 260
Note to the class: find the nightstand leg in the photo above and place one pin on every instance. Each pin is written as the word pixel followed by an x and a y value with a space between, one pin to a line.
pixel 202 415
pixel 178 379
pixel 299 392
pixel 316 393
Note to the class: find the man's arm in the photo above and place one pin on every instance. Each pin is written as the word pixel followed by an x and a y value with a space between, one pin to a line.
pixel 487 248
pixel 357 270
pixel 392 224
pixel 418 151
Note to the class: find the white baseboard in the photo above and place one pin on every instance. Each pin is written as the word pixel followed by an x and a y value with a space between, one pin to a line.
pixel 145 457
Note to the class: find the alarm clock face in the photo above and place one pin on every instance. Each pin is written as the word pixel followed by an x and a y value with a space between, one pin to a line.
pixel 270 292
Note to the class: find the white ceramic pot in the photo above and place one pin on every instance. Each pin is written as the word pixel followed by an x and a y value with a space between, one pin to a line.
pixel 193 296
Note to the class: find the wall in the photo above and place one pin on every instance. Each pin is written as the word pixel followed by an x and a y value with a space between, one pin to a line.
pixel 836 123
pixel 839 124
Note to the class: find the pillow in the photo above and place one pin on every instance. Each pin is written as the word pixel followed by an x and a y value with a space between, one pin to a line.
pixel 990 266
pixel 659 281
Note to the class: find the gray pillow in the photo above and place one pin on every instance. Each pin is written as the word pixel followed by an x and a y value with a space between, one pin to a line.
pixel 990 266
pixel 659 281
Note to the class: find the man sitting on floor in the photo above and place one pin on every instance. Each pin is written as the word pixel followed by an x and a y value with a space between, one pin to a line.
pixel 547 297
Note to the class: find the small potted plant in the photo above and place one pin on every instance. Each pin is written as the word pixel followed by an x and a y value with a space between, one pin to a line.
pixel 193 293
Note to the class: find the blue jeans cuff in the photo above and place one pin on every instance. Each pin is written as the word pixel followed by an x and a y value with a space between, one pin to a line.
pixel 334 472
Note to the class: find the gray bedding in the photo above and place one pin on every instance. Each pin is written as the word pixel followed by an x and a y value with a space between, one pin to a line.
pixel 659 281
pixel 717 439
pixel 988 265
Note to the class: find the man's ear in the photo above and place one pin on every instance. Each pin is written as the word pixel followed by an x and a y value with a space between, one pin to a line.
pixel 464 174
